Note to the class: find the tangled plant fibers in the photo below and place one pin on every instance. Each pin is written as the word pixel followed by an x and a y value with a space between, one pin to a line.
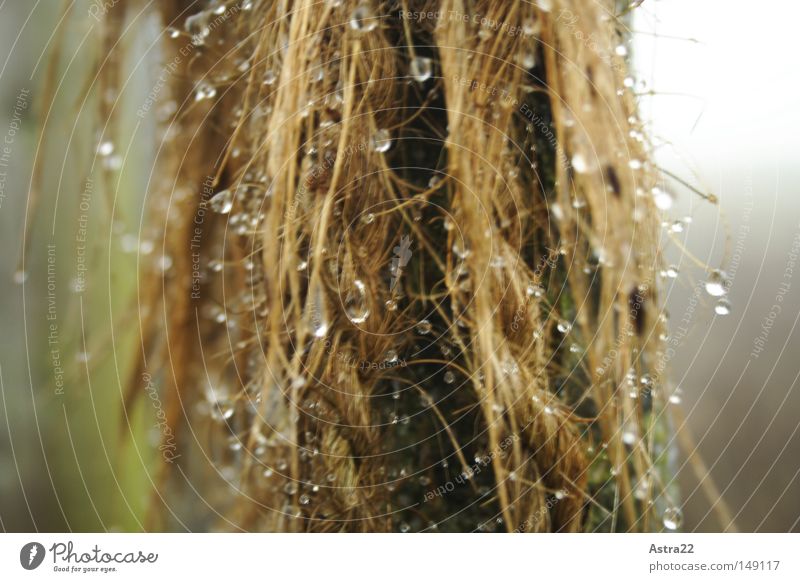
pixel 407 267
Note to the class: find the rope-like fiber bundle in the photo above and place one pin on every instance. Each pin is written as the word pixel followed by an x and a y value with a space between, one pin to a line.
pixel 429 264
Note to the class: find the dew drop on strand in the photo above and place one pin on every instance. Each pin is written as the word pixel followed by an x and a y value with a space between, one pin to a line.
pixel 381 141
pixel 270 77
pixel 421 69
pixel 222 202
pixel 362 19
pixel 662 198
pixel 716 285
pixel 579 163
pixel 673 518
pixel 355 303
pixel 723 307
pixel 105 148
pixel 424 327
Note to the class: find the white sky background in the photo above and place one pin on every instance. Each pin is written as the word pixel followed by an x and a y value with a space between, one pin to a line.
pixel 742 76
pixel 730 104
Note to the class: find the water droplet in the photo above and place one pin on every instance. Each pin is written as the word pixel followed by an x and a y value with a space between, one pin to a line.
pixel 579 163
pixel 460 249
pixel 717 283
pixel 290 488
pixel 222 410
pixel 642 489
pixel 368 218
pixel 671 272
pixel 673 518
pixel 270 77
pixel 391 305
pixel 621 50
pixel 362 19
pixel 723 307
pixel 662 198
pixel 222 202
pixel 531 27
pixel 304 499
pixel 146 247
pixel 557 211
pixel 424 327
pixel 676 226
pixel 20 276
pixel 635 164
pixel 105 148
pixel 390 356
pixel 526 59
pixel 204 90
pixel 629 437
pixel 234 444
pixel 564 326
pixel 318 319
pixel 173 32
pixel 449 377
pixel 421 69
pixel 381 141
pixel 404 527
pixel 196 26
pixel 355 304
pixel 164 263
pixel 534 290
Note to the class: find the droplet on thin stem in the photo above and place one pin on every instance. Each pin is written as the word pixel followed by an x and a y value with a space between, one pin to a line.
pixel 362 19
pixel 381 141
pixel 717 283
pixel 222 202
pixel 424 327
pixel 673 518
pixel 421 68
